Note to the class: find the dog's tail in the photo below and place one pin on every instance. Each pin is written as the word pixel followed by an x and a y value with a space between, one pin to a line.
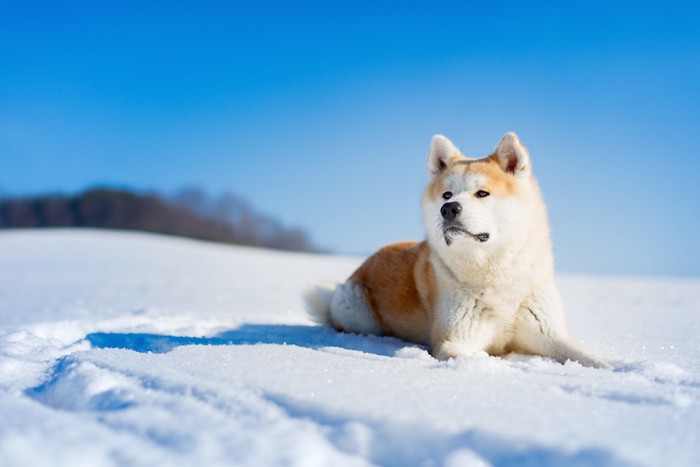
pixel 317 299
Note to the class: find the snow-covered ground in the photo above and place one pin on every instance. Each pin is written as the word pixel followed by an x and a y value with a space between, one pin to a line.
pixel 135 349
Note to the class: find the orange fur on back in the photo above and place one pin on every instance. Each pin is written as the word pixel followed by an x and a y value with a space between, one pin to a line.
pixel 399 285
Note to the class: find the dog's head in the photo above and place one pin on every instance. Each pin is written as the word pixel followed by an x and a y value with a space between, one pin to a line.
pixel 477 204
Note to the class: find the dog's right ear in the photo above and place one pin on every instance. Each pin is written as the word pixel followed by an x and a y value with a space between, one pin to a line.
pixel 441 153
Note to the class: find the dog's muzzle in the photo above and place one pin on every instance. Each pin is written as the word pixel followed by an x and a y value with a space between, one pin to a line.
pixel 452 227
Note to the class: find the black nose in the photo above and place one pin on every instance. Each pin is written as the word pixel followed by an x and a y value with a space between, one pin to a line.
pixel 450 210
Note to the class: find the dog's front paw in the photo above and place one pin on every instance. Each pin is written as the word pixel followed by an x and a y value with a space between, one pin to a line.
pixel 449 349
pixel 593 362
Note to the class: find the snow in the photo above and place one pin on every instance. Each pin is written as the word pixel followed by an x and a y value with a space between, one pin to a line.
pixel 134 349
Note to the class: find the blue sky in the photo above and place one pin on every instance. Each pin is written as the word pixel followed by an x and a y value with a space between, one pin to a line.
pixel 321 113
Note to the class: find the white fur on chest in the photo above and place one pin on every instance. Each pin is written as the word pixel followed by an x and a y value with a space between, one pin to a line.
pixel 478 319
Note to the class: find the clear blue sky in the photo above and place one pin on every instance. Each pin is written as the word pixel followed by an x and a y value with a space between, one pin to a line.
pixel 321 113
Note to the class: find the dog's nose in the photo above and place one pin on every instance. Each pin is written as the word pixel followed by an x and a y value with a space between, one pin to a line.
pixel 450 210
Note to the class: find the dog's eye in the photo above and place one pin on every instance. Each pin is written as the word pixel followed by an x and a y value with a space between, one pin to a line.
pixel 447 195
pixel 481 194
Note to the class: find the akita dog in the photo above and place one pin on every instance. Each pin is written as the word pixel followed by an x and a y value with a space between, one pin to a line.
pixel 483 280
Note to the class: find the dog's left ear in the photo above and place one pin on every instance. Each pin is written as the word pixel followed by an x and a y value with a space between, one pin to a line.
pixel 512 155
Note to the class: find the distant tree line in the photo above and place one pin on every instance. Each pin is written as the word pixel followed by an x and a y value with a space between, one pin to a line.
pixel 190 213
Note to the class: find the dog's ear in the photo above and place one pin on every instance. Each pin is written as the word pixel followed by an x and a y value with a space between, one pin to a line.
pixel 512 155
pixel 440 154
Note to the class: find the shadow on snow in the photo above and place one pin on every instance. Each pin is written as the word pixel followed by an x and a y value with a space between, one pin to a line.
pixel 312 337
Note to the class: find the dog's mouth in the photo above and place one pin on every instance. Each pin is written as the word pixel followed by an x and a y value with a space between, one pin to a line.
pixel 450 231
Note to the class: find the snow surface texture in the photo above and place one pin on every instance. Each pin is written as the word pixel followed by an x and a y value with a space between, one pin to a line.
pixel 134 349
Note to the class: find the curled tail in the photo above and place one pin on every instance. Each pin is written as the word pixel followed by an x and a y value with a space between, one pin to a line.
pixel 342 306
pixel 318 302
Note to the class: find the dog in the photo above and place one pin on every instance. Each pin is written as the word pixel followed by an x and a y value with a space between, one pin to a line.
pixel 483 280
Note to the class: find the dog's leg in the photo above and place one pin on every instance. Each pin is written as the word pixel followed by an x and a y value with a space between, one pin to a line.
pixel 463 329
pixel 541 330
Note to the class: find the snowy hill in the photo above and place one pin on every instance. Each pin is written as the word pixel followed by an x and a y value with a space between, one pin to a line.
pixel 134 349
